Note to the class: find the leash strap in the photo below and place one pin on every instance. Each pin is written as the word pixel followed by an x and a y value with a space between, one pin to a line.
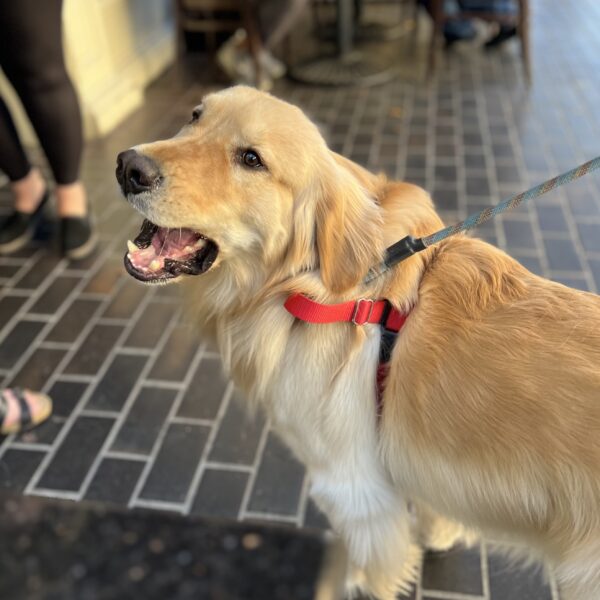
pixel 409 245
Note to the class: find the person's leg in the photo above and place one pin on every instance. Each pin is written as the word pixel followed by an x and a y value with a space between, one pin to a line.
pixel 31 55
pixel 504 8
pixel 457 28
pixel 27 186
pixel 26 183
pixel 13 160
pixel 277 19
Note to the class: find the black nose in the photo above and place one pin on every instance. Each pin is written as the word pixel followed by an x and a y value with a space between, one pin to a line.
pixel 137 173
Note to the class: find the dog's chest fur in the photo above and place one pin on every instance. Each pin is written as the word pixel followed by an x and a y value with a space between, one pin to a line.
pixel 320 398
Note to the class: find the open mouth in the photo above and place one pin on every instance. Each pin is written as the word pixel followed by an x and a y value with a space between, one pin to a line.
pixel 160 253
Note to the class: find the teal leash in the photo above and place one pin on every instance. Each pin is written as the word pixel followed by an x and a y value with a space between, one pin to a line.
pixel 409 245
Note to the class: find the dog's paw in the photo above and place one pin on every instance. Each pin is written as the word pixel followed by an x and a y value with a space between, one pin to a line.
pixel 379 582
pixel 356 584
pixel 443 534
pixel 437 533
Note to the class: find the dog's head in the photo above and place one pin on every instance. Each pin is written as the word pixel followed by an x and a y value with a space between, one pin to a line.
pixel 249 187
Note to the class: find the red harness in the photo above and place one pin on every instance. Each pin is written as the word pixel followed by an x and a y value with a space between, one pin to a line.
pixel 359 312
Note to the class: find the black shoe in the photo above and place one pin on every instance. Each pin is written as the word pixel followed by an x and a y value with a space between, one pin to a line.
pixel 506 32
pixel 77 237
pixel 18 228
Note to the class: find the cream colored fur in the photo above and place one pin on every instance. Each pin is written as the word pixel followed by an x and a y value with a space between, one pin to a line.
pixel 492 408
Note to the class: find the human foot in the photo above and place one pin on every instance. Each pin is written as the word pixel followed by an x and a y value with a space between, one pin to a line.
pixel 28 192
pixel 22 409
pixel 71 200
pixel 77 237
pixel 18 228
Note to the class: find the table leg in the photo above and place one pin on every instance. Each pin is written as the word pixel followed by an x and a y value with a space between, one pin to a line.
pixel 345 26
pixel 349 66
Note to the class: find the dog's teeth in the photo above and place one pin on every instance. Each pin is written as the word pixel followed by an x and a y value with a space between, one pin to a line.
pixel 131 246
pixel 155 265
pixel 200 243
pixel 188 249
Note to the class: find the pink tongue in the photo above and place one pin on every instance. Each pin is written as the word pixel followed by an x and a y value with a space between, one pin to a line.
pixel 173 240
pixel 166 243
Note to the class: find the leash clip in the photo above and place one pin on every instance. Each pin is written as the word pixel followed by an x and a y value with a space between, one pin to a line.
pixel 356 318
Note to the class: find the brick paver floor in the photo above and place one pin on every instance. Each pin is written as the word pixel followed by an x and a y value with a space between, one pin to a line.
pixel 143 416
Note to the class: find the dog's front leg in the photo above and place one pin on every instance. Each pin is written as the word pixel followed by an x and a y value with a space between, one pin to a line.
pixel 374 522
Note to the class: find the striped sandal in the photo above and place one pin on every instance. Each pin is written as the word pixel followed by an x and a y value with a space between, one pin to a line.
pixel 22 409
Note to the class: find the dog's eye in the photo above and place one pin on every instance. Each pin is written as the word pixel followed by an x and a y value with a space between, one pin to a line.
pixel 196 114
pixel 251 159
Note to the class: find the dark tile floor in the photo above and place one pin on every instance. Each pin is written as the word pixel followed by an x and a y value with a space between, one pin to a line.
pixel 143 417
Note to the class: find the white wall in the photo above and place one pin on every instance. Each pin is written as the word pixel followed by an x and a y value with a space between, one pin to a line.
pixel 114 48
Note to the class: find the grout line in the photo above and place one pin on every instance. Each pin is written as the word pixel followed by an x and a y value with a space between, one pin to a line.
pixel 73 295
pixel 78 409
pixel 434 594
pixel 112 320
pixel 55 374
pixel 192 421
pixel 94 295
pixel 11 261
pixel 32 297
pixel 135 499
pixel 54 345
pixel 407 105
pixel 27 264
pixel 253 474
pixel 221 466
pixel 291 519
pixel 133 351
pixel 163 384
pixel 553 586
pixel 16 445
pixel 50 493
pixel 303 500
pixel 116 454
pixel 38 317
pixel 15 293
pixel 353 126
pixel 579 249
pixel 100 414
pixel 158 505
pixel 490 162
pixel 215 427
pixel 69 377
pixel 419 581
pixel 133 394
pixel 485 572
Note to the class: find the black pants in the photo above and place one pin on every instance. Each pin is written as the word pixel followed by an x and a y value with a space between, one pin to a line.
pixel 31 57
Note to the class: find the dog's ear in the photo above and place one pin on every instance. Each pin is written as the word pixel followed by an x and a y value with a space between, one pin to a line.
pixel 349 233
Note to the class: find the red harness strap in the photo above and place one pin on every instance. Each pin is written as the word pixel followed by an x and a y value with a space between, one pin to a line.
pixel 359 312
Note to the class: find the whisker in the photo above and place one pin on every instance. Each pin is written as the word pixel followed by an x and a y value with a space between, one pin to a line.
pixel 164 242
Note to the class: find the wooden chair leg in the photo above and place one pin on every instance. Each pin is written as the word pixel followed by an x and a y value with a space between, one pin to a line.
pixel 437 15
pixel 415 20
pixel 523 29
pixel 180 32
pixel 211 42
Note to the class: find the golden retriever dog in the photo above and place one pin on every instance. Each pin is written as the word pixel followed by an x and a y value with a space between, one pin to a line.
pixel 490 420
